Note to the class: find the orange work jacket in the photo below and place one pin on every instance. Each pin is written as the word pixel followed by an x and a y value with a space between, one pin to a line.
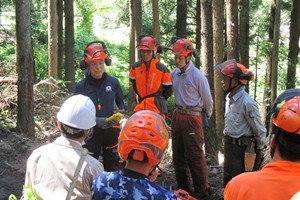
pixel 153 85
pixel 278 180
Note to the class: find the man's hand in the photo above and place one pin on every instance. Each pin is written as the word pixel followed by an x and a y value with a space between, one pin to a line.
pixel 154 173
pixel 114 119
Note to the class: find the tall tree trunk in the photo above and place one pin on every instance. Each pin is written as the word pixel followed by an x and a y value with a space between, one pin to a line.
pixel 275 49
pixel 198 31
pixel 293 45
pixel 135 12
pixel 218 29
pixel 207 53
pixel 52 39
pixel 69 50
pixel 60 11
pixel 156 27
pixel 25 120
pixel 244 32
pixel 232 29
pixel 270 91
pixel 181 14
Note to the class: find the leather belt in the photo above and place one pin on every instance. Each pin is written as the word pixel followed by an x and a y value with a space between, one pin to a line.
pixel 188 110
pixel 241 141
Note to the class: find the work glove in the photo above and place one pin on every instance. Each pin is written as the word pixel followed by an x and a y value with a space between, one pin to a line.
pixel 105 123
pixel 183 195
pixel 259 158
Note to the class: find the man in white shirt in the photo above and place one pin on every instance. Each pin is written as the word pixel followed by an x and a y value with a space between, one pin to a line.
pixel 63 168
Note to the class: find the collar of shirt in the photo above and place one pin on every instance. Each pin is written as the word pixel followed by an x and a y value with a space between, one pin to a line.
pixel 189 67
pixel 238 94
pixel 133 174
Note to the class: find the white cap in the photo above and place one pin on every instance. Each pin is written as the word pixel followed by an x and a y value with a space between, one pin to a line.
pixel 78 111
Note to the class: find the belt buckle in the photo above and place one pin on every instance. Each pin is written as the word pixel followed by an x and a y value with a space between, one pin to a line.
pixel 236 141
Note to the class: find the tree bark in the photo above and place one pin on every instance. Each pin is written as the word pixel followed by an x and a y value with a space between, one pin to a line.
pixel 60 53
pixel 270 91
pixel 232 29
pixel 198 32
pixel 207 53
pixel 69 50
pixel 218 30
pixel 52 39
pixel 181 18
pixel 293 45
pixel 135 12
pixel 156 26
pixel 244 32
pixel 25 68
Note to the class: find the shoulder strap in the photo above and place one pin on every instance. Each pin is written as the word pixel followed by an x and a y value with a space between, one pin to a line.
pixel 76 174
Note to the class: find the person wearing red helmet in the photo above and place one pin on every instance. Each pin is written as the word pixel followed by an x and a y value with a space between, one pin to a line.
pixel 192 97
pixel 143 141
pixel 151 80
pixel 106 93
pixel 278 179
pixel 244 131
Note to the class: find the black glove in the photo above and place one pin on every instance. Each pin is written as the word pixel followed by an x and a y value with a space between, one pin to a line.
pixel 260 154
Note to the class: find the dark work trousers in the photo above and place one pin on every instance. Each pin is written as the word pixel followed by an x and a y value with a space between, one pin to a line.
pixel 103 146
pixel 188 154
pixel 233 161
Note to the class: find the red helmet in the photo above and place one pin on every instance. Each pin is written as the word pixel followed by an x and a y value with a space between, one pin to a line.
pixel 145 132
pixel 182 47
pixel 95 51
pixel 236 70
pixel 147 42
pixel 287 117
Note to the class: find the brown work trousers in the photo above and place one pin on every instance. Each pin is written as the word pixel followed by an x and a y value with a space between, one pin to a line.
pixel 188 155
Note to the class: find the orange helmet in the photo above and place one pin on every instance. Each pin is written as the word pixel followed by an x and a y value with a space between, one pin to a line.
pixel 145 132
pixel 287 117
pixel 95 51
pixel 236 70
pixel 182 47
pixel 146 42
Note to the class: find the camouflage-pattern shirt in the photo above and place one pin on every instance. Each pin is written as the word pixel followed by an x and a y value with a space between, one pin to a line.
pixel 127 184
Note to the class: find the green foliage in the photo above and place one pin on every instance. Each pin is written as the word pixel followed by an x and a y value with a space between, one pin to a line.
pixel 7 118
pixel 85 9
pixel 28 194
pixel 41 60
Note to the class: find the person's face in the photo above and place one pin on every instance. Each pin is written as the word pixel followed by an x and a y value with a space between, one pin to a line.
pixel 97 68
pixel 147 55
pixel 226 84
pixel 181 61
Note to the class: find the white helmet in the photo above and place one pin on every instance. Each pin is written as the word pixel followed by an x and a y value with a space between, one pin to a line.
pixel 78 111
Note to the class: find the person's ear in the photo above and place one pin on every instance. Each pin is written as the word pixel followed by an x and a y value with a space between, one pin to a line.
pixel 59 125
pixel 272 141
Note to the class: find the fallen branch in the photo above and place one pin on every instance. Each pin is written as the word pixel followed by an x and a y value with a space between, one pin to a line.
pixel 7 80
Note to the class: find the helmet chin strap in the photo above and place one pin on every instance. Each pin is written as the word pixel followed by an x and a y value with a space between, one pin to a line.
pixel 182 69
pixel 231 88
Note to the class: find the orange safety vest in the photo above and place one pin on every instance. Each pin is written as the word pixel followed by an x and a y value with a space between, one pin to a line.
pixel 149 84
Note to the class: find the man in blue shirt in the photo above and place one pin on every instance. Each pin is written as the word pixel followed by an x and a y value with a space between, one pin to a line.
pixel 243 124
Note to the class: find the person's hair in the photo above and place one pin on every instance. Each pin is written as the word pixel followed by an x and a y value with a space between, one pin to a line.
pixel 72 133
pixel 288 144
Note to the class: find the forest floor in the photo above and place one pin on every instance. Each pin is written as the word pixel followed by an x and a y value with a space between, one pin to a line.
pixel 15 149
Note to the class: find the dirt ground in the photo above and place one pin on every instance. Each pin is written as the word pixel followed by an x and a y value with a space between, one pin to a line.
pixel 15 149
